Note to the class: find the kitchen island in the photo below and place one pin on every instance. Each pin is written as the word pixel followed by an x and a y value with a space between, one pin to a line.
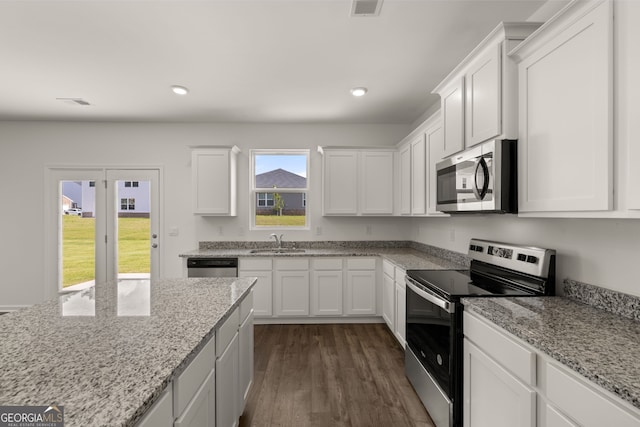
pixel 107 353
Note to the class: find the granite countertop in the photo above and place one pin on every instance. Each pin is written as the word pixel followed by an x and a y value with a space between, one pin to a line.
pixel 406 258
pixel 602 346
pixel 107 353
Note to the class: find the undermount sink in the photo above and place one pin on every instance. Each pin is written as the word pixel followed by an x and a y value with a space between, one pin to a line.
pixel 277 251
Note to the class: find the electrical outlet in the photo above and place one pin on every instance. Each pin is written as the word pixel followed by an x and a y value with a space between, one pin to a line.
pixel 318 231
pixel 452 235
pixel 174 231
pixel 220 230
pixel 240 231
pixel 369 230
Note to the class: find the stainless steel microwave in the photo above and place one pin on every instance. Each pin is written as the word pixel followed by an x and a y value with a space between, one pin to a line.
pixel 481 179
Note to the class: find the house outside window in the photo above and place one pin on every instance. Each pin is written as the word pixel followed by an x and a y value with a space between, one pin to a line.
pixel 131 184
pixel 265 200
pixel 279 188
pixel 128 204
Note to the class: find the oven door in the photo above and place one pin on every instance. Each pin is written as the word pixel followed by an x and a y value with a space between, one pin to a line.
pixel 465 182
pixel 430 334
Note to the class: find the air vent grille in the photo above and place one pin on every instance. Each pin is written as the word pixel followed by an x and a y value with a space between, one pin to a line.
pixel 74 101
pixel 366 7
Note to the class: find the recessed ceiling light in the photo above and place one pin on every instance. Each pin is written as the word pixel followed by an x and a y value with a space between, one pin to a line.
pixel 179 90
pixel 359 91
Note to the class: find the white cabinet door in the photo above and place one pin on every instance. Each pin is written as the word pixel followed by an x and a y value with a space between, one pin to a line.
pixel 161 413
pixel 552 417
pixel 361 292
pixel 326 293
pixel 245 337
pixel 388 301
pixel 340 182
pixel 400 313
pixel 418 176
pixel 262 292
pixel 565 143
pixel 201 411
pixel 405 180
pixel 483 97
pixel 291 293
pixel 376 182
pixel 452 110
pixel 435 153
pixel 493 396
pixel 227 385
pixel 213 181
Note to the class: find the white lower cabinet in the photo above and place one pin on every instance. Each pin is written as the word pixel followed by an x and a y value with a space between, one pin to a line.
pixel 361 286
pixel 201 411
pixel 228 372
pixel 326 287
pixel 263 289
pixel 388 295
pixel 245 337
pixel 509 383
pixel 291 295
pixel 400 323
pixel 161 413
pixel 492 395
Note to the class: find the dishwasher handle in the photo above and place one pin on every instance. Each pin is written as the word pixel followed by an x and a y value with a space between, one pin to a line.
pixel 212 262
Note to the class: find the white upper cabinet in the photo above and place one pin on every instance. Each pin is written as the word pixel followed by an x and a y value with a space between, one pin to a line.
pixel 479 97
pixel 405 179
pixel 452 107
pixel 482 97
pixel 213 180
pixel 376 182
pixel 418 176
pixel 565 161
pixel 340 182
pixel 357 181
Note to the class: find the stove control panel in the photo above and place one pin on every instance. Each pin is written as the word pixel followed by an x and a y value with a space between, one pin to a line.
pixel 525 259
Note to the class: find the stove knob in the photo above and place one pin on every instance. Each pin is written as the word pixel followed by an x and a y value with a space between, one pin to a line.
pixel 439 359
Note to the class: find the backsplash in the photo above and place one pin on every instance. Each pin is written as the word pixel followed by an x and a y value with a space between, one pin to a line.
pixel 605 299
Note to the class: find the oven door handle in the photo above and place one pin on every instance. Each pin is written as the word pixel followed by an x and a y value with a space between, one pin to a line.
pixel 432 298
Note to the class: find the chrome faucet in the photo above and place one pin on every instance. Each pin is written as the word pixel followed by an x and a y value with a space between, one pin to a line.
pixel 278 239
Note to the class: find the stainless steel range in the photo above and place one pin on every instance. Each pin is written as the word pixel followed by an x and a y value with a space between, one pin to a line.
pixel 433 357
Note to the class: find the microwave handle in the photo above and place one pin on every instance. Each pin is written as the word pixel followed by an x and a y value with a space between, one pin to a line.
pixel 481 193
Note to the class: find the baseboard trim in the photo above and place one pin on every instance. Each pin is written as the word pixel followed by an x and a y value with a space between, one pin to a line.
pixel 315 320
pixel 10 308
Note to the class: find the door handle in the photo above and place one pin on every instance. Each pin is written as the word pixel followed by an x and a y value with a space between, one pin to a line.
pixel 154 245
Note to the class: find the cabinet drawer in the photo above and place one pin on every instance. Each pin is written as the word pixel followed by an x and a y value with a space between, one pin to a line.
pixel 189 381
pixel 246 306
pixel 292 264
pixel 254 263
pixel 361 263
pixel 503 349
pixel 388 268
pixel 327 264
pixel 226 332
pixel 583 402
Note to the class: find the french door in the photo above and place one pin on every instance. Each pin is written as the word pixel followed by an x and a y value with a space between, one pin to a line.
pixel 102 225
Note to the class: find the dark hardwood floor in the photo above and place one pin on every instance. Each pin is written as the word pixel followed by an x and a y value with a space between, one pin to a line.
pixel 330 375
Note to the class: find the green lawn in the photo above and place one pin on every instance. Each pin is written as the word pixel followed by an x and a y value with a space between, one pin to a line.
pixel 279 221
pixel 78 236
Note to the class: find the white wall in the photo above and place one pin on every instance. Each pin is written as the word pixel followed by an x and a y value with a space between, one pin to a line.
pixel 26 148
pixel 601 252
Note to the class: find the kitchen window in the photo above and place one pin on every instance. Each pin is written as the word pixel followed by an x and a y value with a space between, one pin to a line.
pixel 279 188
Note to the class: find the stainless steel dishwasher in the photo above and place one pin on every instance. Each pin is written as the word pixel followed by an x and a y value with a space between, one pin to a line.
pixel 212 267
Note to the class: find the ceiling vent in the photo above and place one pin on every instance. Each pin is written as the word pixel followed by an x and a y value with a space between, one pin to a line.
pixel 74 101
pixel 366 7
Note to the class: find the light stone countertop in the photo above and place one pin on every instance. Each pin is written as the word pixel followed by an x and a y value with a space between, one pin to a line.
pixel 406 258
pixel 603 347
pixel 106 356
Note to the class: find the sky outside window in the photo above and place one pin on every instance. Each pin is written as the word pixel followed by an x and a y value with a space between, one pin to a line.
pixel 294 163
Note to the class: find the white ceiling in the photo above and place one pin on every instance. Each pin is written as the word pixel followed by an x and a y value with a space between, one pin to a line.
pixel 243 60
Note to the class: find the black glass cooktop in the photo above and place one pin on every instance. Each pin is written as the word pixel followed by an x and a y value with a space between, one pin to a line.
pixel 454 284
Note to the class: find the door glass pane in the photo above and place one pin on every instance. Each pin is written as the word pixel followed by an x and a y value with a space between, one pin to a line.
pixel 134 229
pixel 78 230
